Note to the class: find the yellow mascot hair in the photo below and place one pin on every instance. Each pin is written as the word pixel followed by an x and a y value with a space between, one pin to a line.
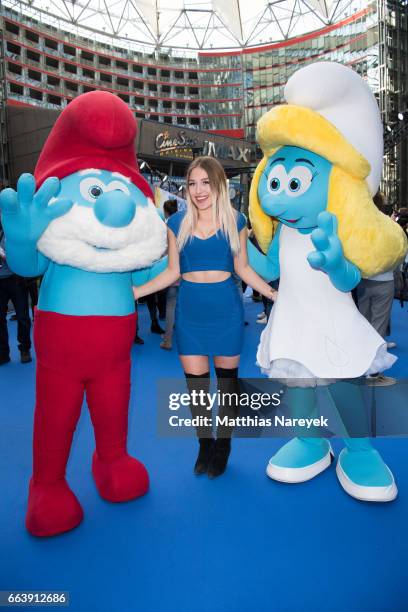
pixel 370 239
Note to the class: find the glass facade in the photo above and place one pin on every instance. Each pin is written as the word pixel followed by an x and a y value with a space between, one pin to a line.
pixel 43 69
pixel 224 92
pixel 267 71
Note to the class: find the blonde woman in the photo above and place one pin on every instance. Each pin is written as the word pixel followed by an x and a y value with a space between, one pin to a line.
pixel 206 244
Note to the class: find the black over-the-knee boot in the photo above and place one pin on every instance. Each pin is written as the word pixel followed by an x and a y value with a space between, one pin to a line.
pixel 228 388
pixel 201 383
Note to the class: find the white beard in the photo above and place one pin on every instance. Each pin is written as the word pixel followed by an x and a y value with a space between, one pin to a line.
pixel 75 239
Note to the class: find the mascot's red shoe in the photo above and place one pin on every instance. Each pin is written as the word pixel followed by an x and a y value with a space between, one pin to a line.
pixel 120 480
pixel 52 509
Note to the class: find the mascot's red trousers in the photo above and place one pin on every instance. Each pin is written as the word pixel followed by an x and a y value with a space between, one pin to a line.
pixel 76 356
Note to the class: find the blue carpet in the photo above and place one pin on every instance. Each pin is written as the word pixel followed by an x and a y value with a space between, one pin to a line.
pixel 236 544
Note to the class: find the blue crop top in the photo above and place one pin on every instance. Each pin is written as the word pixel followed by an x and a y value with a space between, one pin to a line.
pixel 200 254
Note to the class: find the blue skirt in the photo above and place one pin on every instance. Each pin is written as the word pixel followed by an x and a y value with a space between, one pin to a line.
pixel 209 319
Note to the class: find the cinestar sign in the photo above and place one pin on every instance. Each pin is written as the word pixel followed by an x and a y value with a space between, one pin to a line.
pixel 166 142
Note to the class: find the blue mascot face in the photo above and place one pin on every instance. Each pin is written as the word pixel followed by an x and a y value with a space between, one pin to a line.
pixel 294 186
pixel 112 197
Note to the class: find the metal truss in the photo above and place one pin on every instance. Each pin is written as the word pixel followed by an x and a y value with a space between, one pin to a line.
pixel 186 24
pixel 398 134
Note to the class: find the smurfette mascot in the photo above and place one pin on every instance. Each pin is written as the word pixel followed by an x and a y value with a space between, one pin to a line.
pixel 312 212
pixel 85 221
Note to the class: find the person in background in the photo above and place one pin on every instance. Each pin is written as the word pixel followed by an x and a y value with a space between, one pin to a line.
pixel 401 217
pixel 170 208
pixel 206 244
pixel 138 339
pixel 375 297
pixel 156 304
pixel 13 288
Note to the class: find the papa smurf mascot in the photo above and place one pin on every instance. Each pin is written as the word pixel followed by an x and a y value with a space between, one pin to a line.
pixel 312 212
pixel 85 221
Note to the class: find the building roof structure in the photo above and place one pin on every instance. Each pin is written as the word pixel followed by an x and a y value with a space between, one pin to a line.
pixel 188 25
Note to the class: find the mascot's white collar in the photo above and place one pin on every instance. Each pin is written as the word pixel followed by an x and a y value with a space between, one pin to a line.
pixel 79 240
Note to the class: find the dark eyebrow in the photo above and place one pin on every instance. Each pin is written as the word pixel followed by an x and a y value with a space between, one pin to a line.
pixel 278 159
pixel 306 161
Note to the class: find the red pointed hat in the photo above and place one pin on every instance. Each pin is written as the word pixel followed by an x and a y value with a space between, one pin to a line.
pixel 96 130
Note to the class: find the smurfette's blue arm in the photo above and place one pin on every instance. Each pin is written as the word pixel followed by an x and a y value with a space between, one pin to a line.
pixel 267 265
pixel 140 277
pixel 329 256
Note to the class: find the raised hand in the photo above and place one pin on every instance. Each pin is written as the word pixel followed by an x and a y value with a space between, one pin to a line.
pixel 26 214
pixel 329 252
pixel 329 257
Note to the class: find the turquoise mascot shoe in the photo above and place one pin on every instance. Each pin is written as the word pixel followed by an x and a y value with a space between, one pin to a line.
pixel 300 459
pixel 363 474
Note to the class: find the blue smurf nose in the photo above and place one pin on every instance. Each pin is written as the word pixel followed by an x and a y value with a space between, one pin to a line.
pixel 115 209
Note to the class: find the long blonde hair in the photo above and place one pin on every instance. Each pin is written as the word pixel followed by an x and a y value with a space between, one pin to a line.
pixel 223 214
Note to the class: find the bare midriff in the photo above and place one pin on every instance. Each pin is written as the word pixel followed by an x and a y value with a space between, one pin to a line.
pixel 206 276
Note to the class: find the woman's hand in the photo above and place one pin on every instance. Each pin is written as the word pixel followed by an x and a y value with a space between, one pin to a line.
pixel 136 293
pixel 273 295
